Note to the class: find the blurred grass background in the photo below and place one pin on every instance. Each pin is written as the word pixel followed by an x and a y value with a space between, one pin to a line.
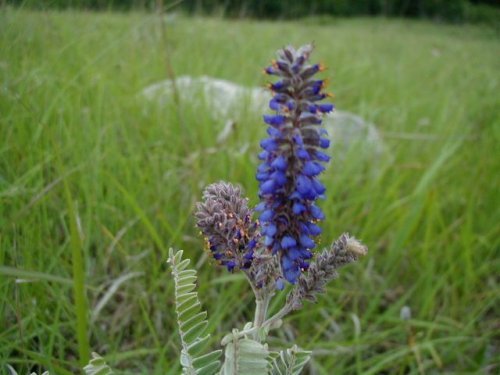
pixel 88 166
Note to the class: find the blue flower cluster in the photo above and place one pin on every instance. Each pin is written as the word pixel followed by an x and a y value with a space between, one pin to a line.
pixel 292 160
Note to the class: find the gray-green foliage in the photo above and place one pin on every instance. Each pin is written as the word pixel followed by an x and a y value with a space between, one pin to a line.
pixel 191 320
pixel 97 366
pixel 12 371
pixel 244 356
pixel 290 361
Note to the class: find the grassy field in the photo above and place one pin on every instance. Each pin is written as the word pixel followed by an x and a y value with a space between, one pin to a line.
pixel 88 166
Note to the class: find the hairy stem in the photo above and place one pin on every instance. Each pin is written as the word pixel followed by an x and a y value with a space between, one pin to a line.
pixel 279 315
pixel 262 299
pixel 261 306
pixel 266 323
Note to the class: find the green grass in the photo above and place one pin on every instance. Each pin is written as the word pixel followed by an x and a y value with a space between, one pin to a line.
pixel 88 166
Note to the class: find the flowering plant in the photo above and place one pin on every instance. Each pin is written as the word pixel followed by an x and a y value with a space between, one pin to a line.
pixel 275 249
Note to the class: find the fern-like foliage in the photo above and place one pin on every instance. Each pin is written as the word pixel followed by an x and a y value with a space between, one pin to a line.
pixel 244 356
pixel 191 320
pixel 290 361
pixel 97 366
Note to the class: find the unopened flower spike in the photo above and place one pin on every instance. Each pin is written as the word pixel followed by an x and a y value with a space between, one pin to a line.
pixel 292 158
pixel 226 222
pixel 346 249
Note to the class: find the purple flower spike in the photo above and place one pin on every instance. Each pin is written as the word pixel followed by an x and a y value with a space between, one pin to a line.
pixel 292 160
pixel 226 223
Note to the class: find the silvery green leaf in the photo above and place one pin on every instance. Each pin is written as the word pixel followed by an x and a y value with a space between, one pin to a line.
pixel 244 356
pixel 97 366
pixel 191 320
pixel 290 361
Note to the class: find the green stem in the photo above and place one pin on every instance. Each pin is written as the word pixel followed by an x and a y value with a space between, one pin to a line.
pixel 279 315
pixel 262 300
pixel 81 308
pixel 261 306
pixel 266 323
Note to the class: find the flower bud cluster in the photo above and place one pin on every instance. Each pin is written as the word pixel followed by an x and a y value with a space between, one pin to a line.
pixel 323 269
pixel 226 223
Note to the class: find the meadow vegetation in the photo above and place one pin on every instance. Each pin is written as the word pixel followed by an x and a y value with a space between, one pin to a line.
pixel 88 166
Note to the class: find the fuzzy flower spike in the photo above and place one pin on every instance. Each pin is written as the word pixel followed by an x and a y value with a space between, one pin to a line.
pixel 292 160
pixel 226 222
